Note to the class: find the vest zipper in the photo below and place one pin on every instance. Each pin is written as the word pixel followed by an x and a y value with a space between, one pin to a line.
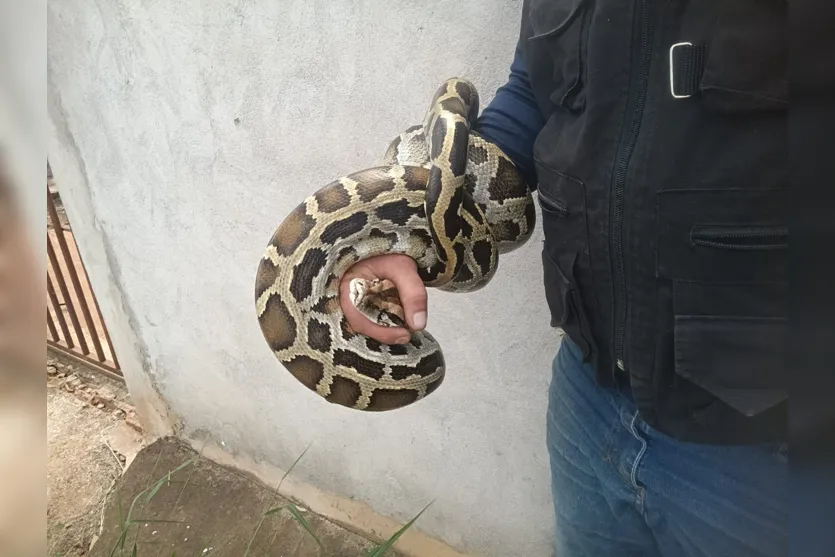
pixel 741 238
pixel 551 205
pixel 619 179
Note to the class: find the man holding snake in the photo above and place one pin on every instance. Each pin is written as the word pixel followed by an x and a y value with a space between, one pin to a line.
pixel 654 135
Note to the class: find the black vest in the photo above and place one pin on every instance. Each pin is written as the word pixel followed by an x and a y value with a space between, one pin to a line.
pixel 665 202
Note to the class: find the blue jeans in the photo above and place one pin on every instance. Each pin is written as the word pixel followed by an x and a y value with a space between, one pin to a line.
pixel 621 488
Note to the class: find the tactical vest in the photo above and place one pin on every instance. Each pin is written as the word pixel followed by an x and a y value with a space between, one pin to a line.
pixel 662 171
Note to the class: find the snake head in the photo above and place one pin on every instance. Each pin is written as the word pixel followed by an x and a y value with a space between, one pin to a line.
pixel 378 300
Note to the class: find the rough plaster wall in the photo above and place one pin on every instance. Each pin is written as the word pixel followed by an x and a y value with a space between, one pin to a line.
pixel 196 126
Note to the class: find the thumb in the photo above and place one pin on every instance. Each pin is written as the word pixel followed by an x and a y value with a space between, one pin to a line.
pixel 402 271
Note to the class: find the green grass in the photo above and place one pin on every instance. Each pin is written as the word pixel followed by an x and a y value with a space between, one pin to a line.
pixel 126 521
pixel 381 549
pixel 290 508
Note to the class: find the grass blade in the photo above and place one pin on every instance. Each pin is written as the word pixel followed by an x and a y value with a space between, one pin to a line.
pixel 303 521
pixel 156 487
pixel 126 521
pixel 380 550
pixel 133 553
pixel 160 482
pixel 273 511
pixel 252 539
pixel 287 473
pixel 119 542
pixel 121 510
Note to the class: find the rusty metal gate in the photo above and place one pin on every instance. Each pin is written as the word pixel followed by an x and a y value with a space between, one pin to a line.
pixel 75 327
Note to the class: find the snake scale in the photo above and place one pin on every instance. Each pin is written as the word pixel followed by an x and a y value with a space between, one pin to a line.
pixel 444 196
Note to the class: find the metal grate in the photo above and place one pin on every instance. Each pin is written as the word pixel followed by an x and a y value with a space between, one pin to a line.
pixel 72 328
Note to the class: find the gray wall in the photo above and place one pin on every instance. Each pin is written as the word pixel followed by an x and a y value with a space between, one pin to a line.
pixel 183 132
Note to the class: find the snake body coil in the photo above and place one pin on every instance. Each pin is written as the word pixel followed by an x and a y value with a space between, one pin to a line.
pixel 445 197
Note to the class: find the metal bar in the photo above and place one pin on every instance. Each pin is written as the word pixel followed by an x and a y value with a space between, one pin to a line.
pixel 50 325
pixel 112 351
pixel 62 286
pixel 85 361
pixel 107 337
pixel 101 319
pixel 79 293
pixel 59 315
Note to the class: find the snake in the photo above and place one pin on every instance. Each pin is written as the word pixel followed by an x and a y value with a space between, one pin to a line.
pixel 441 194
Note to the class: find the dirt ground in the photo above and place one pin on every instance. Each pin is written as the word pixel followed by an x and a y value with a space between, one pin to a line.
pixel 172 502
pixel 98 465
pixel 91 437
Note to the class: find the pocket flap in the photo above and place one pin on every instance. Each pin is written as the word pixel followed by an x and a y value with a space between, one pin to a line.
pixel 559 27
pixel 740 360
pixel 557 289
pixel 746 66
pixel 549 19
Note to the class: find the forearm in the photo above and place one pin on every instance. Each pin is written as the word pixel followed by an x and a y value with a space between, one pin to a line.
pixel 512 120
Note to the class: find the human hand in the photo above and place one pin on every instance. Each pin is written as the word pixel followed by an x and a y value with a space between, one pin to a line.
pixel 402 271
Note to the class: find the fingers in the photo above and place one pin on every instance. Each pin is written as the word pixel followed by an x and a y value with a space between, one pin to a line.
pixel 402 271
pixel 359 322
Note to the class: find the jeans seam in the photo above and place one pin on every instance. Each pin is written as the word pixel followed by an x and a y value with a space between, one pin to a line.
pixel 633 476
pixel 609 439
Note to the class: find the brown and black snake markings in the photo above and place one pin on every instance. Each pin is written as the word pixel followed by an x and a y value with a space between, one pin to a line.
pixel 445 197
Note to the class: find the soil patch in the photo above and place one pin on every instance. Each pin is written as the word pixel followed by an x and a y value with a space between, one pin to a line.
pixel 89 442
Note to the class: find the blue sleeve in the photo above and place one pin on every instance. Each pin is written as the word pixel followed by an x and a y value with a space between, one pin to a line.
pixel 512 120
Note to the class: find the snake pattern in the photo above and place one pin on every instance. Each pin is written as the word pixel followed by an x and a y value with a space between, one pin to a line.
pixel 444 196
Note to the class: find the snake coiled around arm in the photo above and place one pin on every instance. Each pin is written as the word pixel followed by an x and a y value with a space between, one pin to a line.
pixel 444 196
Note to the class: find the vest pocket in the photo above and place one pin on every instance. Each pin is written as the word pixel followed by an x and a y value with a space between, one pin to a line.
pixel 728 275
pixel 740 237
pixel 739 360
pixel 564 301
pixel 558 38
pixel 710 235
pixel 562 201
pixel 745 68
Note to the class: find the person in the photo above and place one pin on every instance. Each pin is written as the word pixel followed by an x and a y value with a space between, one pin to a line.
pixel 654 135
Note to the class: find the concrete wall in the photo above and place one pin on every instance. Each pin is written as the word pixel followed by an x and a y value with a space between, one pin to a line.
pixel 183 132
